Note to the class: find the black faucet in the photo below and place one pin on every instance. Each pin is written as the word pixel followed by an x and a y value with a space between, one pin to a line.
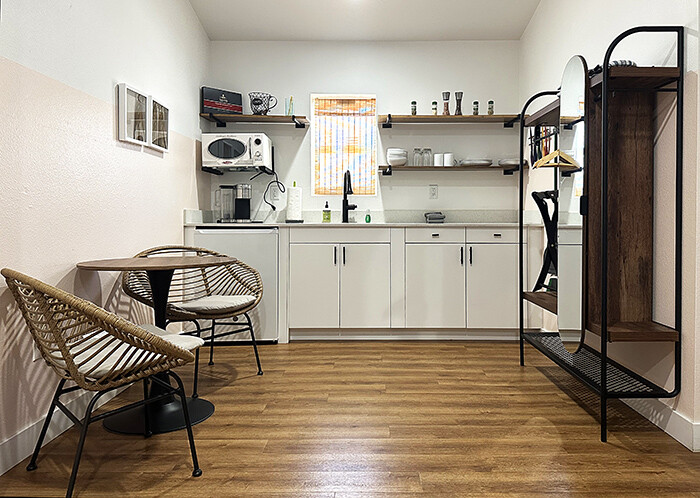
pixel 347 190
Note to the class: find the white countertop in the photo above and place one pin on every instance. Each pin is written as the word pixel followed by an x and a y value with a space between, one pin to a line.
pixel 360 225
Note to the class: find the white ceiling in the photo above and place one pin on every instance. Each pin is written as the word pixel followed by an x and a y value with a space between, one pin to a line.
pixel 364 20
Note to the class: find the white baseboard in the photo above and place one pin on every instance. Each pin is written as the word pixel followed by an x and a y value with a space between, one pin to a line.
pixel 21 445
pixel 668 420
pixel 413 335
pixel 403 334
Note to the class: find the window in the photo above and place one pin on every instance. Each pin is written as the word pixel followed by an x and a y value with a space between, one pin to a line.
pixel 344 138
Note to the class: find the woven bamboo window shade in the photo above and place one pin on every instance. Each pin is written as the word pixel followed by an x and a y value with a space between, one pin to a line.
pixel 345 138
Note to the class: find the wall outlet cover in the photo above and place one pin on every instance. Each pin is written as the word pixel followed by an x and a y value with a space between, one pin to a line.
pixel 432 191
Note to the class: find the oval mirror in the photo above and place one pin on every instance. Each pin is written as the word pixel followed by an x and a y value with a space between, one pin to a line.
pixel 570 184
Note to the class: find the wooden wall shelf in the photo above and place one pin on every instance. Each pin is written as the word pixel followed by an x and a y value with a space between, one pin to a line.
pixel 388 170
pixel 545 300
pixel 222 119
pixel 388 120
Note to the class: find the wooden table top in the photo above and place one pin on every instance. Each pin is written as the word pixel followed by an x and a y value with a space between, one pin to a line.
pixel 155 263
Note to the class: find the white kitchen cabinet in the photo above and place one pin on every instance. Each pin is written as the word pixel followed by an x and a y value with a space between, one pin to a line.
pixel 314 286
pixel 339 285
pixel 435 286
pixel 492 289
pixel 365 281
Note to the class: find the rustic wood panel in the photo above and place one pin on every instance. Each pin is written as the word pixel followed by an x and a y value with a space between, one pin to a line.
pixel 406 419
pixel 630 207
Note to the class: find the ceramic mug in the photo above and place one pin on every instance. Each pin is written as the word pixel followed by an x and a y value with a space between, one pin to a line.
pixel 438 159
pixel 449 159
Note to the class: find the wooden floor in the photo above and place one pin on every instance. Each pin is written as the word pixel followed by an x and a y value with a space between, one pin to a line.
pixel 352 419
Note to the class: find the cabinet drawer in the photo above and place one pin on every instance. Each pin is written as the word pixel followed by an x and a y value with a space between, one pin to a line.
pixel 507 235
pixel 333 235
pixel 442 234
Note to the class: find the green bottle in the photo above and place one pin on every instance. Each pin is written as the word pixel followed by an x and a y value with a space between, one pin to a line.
pixel 368 217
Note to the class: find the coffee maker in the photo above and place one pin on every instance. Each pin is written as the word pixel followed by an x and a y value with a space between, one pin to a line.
pixel 235 203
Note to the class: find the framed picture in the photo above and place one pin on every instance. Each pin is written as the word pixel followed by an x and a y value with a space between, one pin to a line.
pixel 158 125
pixel 133 115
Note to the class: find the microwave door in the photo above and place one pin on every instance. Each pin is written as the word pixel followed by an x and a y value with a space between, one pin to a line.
pixel 227 149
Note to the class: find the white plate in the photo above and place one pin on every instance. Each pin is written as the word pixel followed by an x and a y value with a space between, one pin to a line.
pixel 475 162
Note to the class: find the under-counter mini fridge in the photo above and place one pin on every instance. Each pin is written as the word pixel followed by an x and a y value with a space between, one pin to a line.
pixel 257 247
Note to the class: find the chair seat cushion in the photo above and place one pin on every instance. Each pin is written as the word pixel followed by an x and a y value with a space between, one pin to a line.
pixel 217 305
pixel 102 356
pixel 188 342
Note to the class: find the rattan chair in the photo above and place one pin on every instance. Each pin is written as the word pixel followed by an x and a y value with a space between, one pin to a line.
pixel 100 352
pixel 211 293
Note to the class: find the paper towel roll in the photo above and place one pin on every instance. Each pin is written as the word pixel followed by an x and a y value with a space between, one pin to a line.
pixel 294 203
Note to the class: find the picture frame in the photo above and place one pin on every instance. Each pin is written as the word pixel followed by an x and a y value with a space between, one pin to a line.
pixel 158 125
pixel 133 115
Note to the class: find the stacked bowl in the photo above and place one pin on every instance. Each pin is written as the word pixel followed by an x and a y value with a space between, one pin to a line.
pixel 396 157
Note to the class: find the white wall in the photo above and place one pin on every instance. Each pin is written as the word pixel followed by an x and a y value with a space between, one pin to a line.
pixel 396 73
pixel 70 190
pixel 560 29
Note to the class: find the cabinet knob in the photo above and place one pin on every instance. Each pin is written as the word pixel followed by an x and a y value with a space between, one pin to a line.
pixel 497 235
pixel 436 235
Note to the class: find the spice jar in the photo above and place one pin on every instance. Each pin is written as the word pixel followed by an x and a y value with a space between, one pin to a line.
pixel 490 109
pixel 434 107
pixel 413 108
pixel 475 108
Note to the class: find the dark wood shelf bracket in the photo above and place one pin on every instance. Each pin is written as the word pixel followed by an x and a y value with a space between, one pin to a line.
pixel 387 123
pixel 219 123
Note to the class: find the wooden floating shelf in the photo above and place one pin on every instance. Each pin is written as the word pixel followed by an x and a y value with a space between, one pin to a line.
pixel 222 119
pixel 638 332
pixel 547 116
pixel 637 78
pixel 388 120
pixel 545 300
pixel 388 170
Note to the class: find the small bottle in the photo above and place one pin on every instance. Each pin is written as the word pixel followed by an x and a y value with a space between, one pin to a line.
pixel 368 217
pixel 434 107
pixel 413 108
pixel 475 108
pixel 490 108
pixel 326 214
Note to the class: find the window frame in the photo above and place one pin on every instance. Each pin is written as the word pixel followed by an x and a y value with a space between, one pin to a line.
pixel 312 128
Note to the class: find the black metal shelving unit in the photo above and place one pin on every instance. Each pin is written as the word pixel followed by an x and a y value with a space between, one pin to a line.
pixel 605 377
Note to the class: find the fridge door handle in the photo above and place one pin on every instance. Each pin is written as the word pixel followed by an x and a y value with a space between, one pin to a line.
pixel 335 255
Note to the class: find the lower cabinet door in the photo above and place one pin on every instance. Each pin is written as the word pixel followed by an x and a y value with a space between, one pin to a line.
pixel 435 285
pixel 365 281
pixel 492 289
pixel 314 286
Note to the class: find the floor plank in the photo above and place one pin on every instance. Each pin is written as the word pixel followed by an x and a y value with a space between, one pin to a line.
pixel 379 419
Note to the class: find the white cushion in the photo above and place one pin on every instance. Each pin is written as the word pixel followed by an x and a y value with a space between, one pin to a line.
pixel 188 342
pixel 104 353
pixel 216 305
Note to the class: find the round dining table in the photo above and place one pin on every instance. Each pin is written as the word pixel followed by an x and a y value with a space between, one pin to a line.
pixel 165 415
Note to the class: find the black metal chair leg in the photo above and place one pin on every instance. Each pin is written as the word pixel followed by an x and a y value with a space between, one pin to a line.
pixel 42 434
pixel 186 412
pixel 195 382
pixel 255 346
pixel 147 432
pixel 81 443
pixel 211 343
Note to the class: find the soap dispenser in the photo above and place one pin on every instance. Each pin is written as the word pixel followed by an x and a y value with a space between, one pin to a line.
pixel 326 214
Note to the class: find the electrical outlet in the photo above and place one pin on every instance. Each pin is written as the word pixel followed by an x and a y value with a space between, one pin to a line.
pixel 432 191
pixel 274 193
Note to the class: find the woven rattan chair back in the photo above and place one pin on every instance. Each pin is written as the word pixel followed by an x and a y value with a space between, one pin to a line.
pixel 76 338
pixel 194 283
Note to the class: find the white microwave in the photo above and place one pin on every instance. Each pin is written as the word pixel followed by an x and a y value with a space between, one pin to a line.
pixel 230 151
